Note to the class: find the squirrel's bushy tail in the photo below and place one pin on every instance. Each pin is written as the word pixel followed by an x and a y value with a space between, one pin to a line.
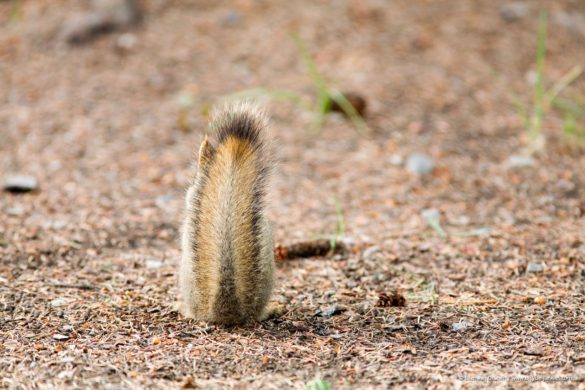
pixel 242 121
pixel 230 232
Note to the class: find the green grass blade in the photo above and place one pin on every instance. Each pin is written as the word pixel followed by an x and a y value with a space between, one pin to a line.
pixel 432 219
pixel 310 65
pixel 570 106
pixel 538 115
pixel 569 125
pixel 340 220
pixel 323 102
pixel 322 107
pixel 339 224
pixel 563 83
pixel 318 384
pixel 482 231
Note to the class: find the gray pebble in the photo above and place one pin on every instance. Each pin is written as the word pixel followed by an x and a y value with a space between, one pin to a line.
pixel 104 16
pixel 370 252
pixel 514 11
pixel 430 215
pixel 163 201
pixel 572 21
pixel 126 41
pixel 231 18
pixel 534 267
pixel 519 161
pixel 331 311
pixel 20 184
pixel 153 264
pixel 420 164
pixel 395 159
pixel 460 326
pixel 59 302
pixel 15 211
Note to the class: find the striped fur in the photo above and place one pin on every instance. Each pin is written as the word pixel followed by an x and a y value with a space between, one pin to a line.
pixel 227 265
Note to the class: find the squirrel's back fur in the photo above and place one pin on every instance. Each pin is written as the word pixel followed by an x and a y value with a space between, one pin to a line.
pixel 227 265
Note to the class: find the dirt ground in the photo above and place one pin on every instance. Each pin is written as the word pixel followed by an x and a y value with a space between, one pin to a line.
pixel 87 262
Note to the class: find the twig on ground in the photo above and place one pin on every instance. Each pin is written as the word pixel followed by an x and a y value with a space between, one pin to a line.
pixel 79 286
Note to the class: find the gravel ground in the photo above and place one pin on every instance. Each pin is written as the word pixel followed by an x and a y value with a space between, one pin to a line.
pixel 109 123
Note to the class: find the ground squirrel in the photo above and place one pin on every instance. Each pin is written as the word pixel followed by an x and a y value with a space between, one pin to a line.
pixel 227 266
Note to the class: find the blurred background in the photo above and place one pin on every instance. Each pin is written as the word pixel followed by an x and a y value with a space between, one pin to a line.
pixel 105 101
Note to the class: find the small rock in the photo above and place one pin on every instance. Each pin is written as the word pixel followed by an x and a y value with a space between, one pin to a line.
pixel 420 164
pixel 20 184
pixel 154 264
pixel 162 202
pixel 481 231
pixel 395 159
pixel 396 328
pixel 60 337
pixel 105 16
pixel 54 166
pixel 533 352
pixel 460 326
pixel 331 311
pixel 59 302
pixel 231 18
pixel 519 161
pixel 55 224
pixel 512 12
pixel 423 247
pixel 67 375
pixel 370 252
pixel 572 21
pixel 364 308
pixel 126 42
pixel 430 215
pixel 15 211
pixel 569 188
pixel 534 267
pixel 348 242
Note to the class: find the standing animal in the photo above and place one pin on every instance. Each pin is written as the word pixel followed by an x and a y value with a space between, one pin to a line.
pixel 226 272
